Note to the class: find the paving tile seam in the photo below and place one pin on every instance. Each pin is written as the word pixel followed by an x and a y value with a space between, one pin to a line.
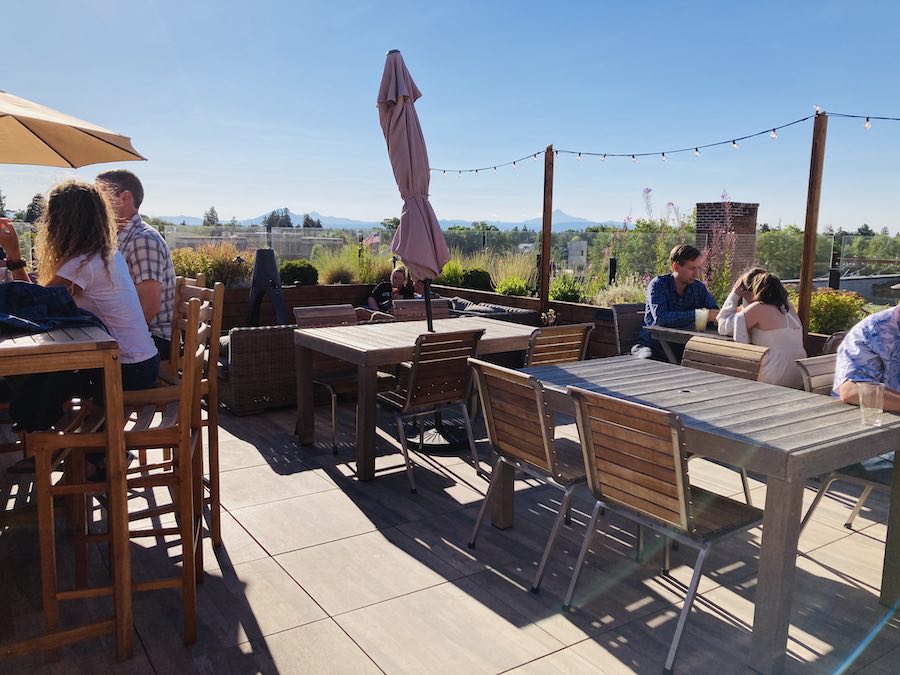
pixel 233 510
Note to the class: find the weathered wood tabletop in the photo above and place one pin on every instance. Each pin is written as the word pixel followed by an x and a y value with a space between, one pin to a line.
pixel 376 345
pixel 785 434
pixel 80 349
pixel 667 336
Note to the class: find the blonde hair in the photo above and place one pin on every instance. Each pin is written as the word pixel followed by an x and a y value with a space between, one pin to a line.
pixel 76 221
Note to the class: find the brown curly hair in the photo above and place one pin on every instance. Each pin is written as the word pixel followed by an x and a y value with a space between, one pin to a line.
pixel 76 221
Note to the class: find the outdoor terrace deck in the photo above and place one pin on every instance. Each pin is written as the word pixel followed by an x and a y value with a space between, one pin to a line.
pixel 321 573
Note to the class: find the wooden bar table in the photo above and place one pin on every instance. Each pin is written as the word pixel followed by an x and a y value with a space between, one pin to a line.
pixel 667 336
pixel 375 346
pixel 66 350
pixel 785 434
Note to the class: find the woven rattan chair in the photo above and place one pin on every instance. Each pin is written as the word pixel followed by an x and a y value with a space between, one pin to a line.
pixel 636 464
pixel 558 344
pixel 414 310
pixel 872 474
pixel 438 378
pixel 522 436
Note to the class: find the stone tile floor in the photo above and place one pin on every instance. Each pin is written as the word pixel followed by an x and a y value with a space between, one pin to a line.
pixel 321 573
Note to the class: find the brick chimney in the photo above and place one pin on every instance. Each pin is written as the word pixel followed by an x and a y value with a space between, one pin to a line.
pixel 740 218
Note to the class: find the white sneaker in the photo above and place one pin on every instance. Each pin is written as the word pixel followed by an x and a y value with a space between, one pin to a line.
pixel 641 352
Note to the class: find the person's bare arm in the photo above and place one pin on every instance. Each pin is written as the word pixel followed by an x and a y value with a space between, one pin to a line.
pixel 150 294
pixel 9 240
pixel 850 394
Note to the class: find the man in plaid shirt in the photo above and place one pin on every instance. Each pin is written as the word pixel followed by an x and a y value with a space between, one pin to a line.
pixel 147 254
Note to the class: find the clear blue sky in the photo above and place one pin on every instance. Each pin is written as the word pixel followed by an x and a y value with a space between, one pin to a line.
pixel 251 106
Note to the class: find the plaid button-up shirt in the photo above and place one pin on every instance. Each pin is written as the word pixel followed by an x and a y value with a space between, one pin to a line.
pixel 666 308
pixel 148 258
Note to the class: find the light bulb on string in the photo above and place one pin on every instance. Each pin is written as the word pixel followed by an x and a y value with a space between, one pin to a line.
pixel 663 157
pixel 867 124
pixel 735 145
pixel 696 152
pixel 634 159
pixel 579 156
pixel 603 157
pixel 515 166
pixel 445 172
pixel 818 109
pixel 494 170
pixel 534 156
pixel 774 135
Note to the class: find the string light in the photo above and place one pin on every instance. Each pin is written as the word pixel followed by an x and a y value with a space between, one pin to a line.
pixel 772 132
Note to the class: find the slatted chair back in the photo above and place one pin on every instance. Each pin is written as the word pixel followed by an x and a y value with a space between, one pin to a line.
pixel 628 317
pixel 198 280
pixel 185 289
pixel 440 373
pixel 321 316
pixel 818 373
pixel 414 310
pixel 833 342
pixel 724 356
pixel 558 344
pixel 635 457
pixel 516 416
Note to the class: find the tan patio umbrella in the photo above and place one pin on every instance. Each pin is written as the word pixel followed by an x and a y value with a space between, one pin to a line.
pixel 34 134
pixel 419 242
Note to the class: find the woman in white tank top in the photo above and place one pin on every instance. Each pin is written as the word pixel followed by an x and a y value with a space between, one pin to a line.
pixel 770 321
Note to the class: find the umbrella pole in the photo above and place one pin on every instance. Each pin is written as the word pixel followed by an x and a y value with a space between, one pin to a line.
pixel 426 283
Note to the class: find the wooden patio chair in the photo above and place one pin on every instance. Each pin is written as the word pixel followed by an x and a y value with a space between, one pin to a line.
pixel 872 474
pixel 636 464
pixel 167 418
pixel 439 377
pixel 170 373
pixel 833 342
pixel 726 358
pixel 521 433
pixel 628 317
pixel 330 373
pixel 414 310
pixel 558 344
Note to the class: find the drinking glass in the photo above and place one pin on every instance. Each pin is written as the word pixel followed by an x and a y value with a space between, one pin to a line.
pixel 871 402
pixel 701 318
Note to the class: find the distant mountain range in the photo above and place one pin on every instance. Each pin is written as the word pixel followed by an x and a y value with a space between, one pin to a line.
pixel 561 221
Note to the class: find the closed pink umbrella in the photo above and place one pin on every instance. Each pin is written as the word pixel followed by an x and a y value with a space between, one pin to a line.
pixel 419 242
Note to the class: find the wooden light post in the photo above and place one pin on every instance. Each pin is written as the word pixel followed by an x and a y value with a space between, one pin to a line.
pixel 810 232
pixel 544 291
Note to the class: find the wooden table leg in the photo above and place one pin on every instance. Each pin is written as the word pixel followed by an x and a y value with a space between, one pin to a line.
pixel 503 503
pixel 667 348
pixel 890 575
pixel 777 567
pixel 47 542
pixel 366 418
pixel 306 413
pixel 118 505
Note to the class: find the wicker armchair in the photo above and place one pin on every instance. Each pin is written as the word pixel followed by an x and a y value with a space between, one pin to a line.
pixel 256 369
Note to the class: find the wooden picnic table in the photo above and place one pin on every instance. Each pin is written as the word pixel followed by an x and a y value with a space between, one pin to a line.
pixel 668 336
pixel 65 350
pixel 375 346
pixel 785 434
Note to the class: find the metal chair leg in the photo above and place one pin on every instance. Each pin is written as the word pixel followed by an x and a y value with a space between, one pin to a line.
pixel 745 482
pixel 588 536
pixel 667 556
pixel 405 449
pixel 859 504
pixel 334 403
pixel 686 610
pixel 495 475
pixel 821 493
pixel 639 552
pixel 563 511
pixel 470 435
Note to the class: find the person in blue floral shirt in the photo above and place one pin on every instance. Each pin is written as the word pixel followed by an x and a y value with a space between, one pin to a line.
pixel 672 299
pixel 871 353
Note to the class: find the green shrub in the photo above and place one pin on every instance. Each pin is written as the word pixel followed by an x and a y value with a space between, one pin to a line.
pixel 831 311
pixel 513 286
pixel 337 267
pixel 452 273
pixel 300 272
pixel 477 279
pixel 631 288
pixel 566 288
pixel 219 262
pixel 372 269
